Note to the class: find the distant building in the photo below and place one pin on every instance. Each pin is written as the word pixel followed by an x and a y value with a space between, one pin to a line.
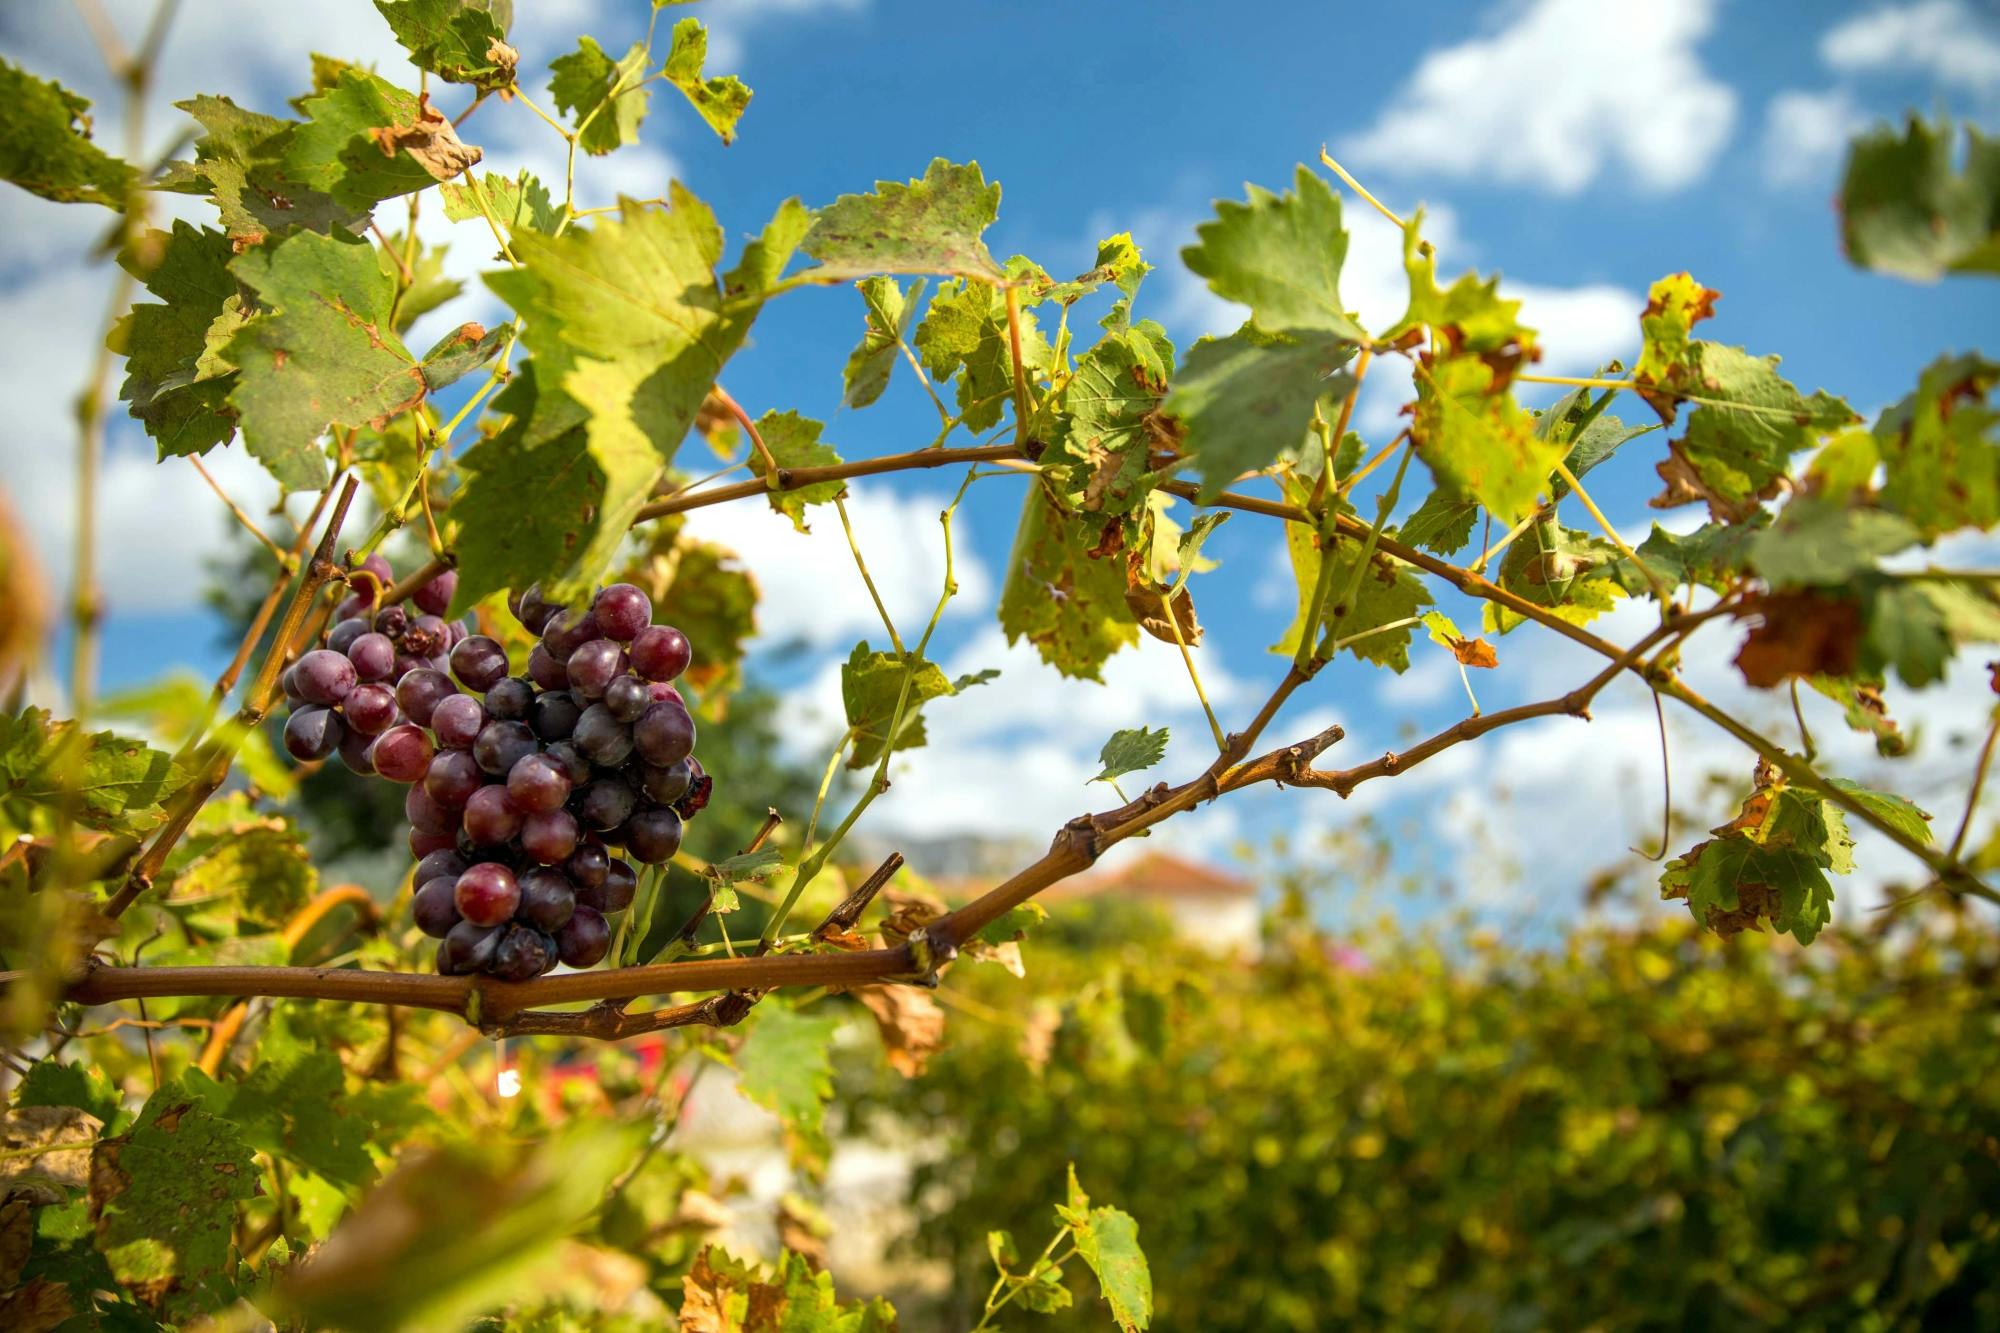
pixel 1208 904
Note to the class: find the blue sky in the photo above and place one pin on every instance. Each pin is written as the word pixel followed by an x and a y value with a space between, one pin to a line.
pixel 1581 149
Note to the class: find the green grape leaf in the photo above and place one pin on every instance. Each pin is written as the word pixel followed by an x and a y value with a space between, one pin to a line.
pixel 1468 652
pixel 1905 210
pixel 720 100
pixel 965 332
pixel 322 356
pixel 45 145
pixel 1713 555
pixel 1469 317
pixel 1817 542
pixel 1280 255
pixel 1730 884
pixel 163 1197
pixel 292 1104
pixel 724 1294
pixel 1865 711
pixel 365 140
pixel 429 287
pixel 870 685
pixel 794 442
pixel 1563 570
pixel 521 201
pixel 251 869
pixel 1742 434
pixel 760 864
pixel 1599 438
pixel 785 1066
pixel 1111 421
pixel 460 41
pixel 1014 924
pixel 459 353
pixel 1131 751
pixel 1476 440
pixel 1668 362
pixel 239 163
pixel 1244 399
pixel 605 101
pixel 1388 592
pixel 1897 810
pixel 173 384
pixel 1108 1240
pixel 1443 523
pixel 116 785
pixel 173 705
pixel 1940 448
pixel 891 308
pixel 1067 602
pixel 1917 625
pixel 50 1082
pixel 932 225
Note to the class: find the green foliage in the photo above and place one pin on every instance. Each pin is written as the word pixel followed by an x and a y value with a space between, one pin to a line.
pixel 786 1066
pixel 1244 399
pixel 605 100
pixel 460 41
pixel 930 225
pixel 1061 597
pixel 46 148
pixel 1281 256
pixel 1906 209
pixel 365 140
pixel 177 380
pixel 721 100
pixel 794 442
pixel 965 333
pixel 891 309
pixel 1133 750
pixel 239 164
pixel 110 782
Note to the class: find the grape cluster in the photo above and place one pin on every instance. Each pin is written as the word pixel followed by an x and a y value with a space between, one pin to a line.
pixel 519 785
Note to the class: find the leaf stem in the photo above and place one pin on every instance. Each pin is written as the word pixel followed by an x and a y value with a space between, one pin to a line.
pixel 1978 785
pixel 1359 188
pixel 285 561
pixel 895 640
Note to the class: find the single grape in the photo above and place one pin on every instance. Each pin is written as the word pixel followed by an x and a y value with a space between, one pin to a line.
pixel 487 893
pixel 425 814
pixel 588 865
pixel 531 609
pixel 433 907
pixel 424 845
pixel 392 621
pixel 467 948
pixel 654 834
pixel 537 783
pixel 288 681
pixel 627 697
pixel 574 762
pixel 324 676
pixel 523 955
pixel 452 778
pixel 603 737
pixel 344 632
pixel 455 633
pixel 405 664
pixel 313 733
pixel 546 669
pixel 593 666
pixel 664 734
pixel 605 804
pixel 660 693
pixel 553 715
pixel 661 652
pixel 351 607
pixel 479 663
pixel 584 939
pixel 501 745
pixel 354 748
pixel 369 710
pixel 620 883
pixel 446 864
pixel 435 596
pixel 509 700
pixel 458 720
pixel 425 637
pixel 369 590
pixel 418 693
pixel 374 657
pixel 569 632
pixel 622 611
pixel 490 819
pixel 669 784
pixel 549 836
pixel 547 899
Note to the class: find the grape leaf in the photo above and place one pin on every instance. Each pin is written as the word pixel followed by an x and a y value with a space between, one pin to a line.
pixel 50 1082
pixel 1468 652
pixel 1863 709
pixel 1111 421
pixel 760 864
pixel 1476 440
pixel 115 784
pixel 251 870
pixel 870 685
pixel 239 163
pixel 721 1294
pixel 293 1104
pixel 891 308
pixel 930 225
pixel 1563 570
pixel 720 100
pixel 785 1065
pixel 1667 354
pixel 965 332
pixel 1280 255
pixel 1243 399
pixel 1388 592
pixel 322 355
pixel 1905 209
pixel 794 442
pixel 1713 555
pixel 1732 883
pixel 365 140
pixel 1940 448
pixel 429 286
pixel 1897 810
pixel 1814 542
pixel 460 41
pixel 1598 438
pixel 606 101
pixel 45 145
pixel 173 386
pixel 1131 751
pixel 1066 602
pixel 163 1197
pixel 521 201
pixel 1916 626
pixel 714 601
pixel 1442 523
pixel 459 353
pixel 1108 1240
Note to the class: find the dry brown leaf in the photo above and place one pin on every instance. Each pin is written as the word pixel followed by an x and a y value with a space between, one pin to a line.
pixel 910 1022
pixel 1801 633
pixel 430 139
pixel 34 1146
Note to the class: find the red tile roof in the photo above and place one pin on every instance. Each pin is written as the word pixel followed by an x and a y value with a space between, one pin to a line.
pixel 1158 875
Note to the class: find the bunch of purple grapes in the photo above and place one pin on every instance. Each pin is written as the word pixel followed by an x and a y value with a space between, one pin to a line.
pixel 520 786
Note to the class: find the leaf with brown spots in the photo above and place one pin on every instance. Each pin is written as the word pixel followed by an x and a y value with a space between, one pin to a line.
pixel 1801 633
pixel 365 140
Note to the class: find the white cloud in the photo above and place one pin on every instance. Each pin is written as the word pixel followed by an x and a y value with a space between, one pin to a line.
pixel 1805 134
pixel 1944 39
pixel 730 25
pixel 1561 93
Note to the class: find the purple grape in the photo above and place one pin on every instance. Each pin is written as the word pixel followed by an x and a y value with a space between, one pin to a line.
pixel 487 893
pixel 435 596
pixel 588 865
pixel 537 783
pixel 569 632
pixel 627 697
pixel 418 693
pixel 546 669
pixel 426 845
pixel 425 814
pixel 574 762
pixel 532 609
pixel 669 784
pixel 592 667
pixel 621 881
pixel 369 710
pixel 434 908
pixel 605 804
pixel 553 715
pixel 455 633
pixel 288 681
pixel 662 693
pixel 509 700
pixel 452 778
pixel 324 676
pixel 458 720
pixel 547 899
pixel 374 657
pixel 425 637
pixel 664 734
pixel 344 632
pixel 622 611
pixel 501 745
pixel 479 663
pixel 584 939
pixel 367 590
pixel 313 733
pixel 351 608
pixel 661 652
pixel 467 948
pixel 354 749
pixel 405 664
pixel 489 818
pixel 603 737
pixel 654 835
pixel 392 621
pixel 523 955
pixel 446 864
pixel 549 836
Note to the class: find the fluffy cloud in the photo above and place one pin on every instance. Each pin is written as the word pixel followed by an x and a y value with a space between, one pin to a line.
pixel 1563 92
pixel 1943 39
pixel 1805 134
